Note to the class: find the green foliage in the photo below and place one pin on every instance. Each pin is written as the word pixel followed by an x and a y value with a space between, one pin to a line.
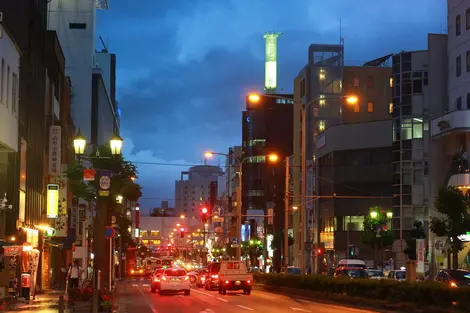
pixel 418 232
pixel 252 248
pixel 371 225
pixel 454 220
pixel 121 182
pixel 278 240
pixel 123 224
pixel 218 251
pixel 425 295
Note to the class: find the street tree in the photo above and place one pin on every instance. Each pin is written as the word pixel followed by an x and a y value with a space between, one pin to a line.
pixel 417 232
pixel 376 233
pixel 252 248
pixel 278 240
pixel 454 219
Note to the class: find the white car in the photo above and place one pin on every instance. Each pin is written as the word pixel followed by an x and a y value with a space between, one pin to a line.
pixel 175 280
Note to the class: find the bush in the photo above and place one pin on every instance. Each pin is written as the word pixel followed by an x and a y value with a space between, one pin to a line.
pixel 422 294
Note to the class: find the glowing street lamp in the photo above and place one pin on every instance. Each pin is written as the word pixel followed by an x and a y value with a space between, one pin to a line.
pixel 352 100
pixel 116 145
pixel 273 158
pixel 79 143
pixel 373 215
pixel 208 154
pixel 254 98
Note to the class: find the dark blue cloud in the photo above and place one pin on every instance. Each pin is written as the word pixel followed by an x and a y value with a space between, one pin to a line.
pixel 184 66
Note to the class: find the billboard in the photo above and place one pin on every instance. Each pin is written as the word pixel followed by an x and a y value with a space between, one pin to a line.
pixel 52 201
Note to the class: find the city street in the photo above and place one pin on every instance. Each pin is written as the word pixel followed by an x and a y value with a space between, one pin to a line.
pixel 135 296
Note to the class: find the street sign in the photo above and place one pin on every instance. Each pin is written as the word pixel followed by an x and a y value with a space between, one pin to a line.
pixel 218 211
pixel 439 245
pixel 234 240
pixel 217 219
pixel 109 232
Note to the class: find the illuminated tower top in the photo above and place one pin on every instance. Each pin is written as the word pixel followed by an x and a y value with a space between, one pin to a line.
pixel 270 65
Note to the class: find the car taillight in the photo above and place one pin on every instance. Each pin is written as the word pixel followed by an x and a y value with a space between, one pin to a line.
pixel 156 280
pixel 226 281
pixel 453 284
pixel 248 281
pixel 186 278
pixel 215 276
pixel 132 271
pixel 163 278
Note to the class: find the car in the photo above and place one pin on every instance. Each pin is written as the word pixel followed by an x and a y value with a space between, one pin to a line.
pixel 352 272
pixel 233 276
pixel 375 273
pixel 201 278
pixel 193 276
pixel 453 278
pixel 212 276
pixel 399 275
pixel 175 280
pixel 155 280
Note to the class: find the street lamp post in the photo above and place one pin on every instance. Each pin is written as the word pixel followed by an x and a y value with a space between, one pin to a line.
pixel 79 144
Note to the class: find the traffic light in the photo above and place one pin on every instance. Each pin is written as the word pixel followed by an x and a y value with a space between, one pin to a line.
pixel 204 213
pixel 320 252
pixel 182 232
pixel 352 251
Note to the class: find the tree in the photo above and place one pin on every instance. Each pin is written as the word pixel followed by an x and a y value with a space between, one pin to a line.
pixel 417 232
pixel 253 248
pixel 454 220
pixel 376 233
pixel 278 240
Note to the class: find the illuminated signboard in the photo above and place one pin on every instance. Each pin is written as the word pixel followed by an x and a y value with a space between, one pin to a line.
pixel 52 200
pixel 270 74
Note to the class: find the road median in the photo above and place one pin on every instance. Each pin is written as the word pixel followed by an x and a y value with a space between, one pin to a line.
pixel 381 295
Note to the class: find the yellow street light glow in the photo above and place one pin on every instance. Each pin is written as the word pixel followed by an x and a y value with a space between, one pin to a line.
pixel 254 98
pixel 182 216
pixel 389 214
pixel 178 225
pixel 295 208
pixel 373 214
pixel 208 154
pixel 352 100
pixel 273 158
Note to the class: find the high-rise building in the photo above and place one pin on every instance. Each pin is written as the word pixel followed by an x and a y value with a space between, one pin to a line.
pixel 193 189
pixel 267 128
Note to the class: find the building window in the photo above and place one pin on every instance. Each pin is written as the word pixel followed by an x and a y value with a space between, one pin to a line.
pixel 356 82
pixel 406 129
pixel 370 82
pixel 467 18
pixel 2 81
pixel 255 193
pixel 8 87
pixel 417 128
pixel 322 125
pixel 457 25
pixel 468 60
pixel 356 108
pixel 370 107
pixel 468 101
pixel 390 82
pixel 353 223
pixel 390 107
pixel 302 87
pixel 459 103
pixel 154 233
pixel 458 66
pixel 77 25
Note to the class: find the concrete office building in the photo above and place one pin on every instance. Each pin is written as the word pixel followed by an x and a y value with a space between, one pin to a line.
pixel 449 115
pixel 322 86
pixel 266 129
pixel 193 189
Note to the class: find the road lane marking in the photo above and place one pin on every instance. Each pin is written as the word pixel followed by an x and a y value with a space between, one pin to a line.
pixel 226 301
pixel 344 308
pixel 203 293
pixel 244 307
pixel 147 301
pixel 135 285
pixel 299 309
pixel 145 285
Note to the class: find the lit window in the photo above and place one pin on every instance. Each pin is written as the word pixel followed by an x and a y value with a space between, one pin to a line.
pixel 391 82
pixel 417 128
pixel 321 125
pixel 356 82
pixel 390 107
pixel 322 74
pixel 356 108
pixel 370 107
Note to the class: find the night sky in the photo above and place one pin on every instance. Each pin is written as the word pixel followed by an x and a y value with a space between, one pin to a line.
pixel 184 66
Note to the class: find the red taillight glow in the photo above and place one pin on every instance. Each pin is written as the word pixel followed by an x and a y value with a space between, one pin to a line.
pixel 453 285
pixel 248 281
pixel 163 278
pixel 215 276
pixel 226 281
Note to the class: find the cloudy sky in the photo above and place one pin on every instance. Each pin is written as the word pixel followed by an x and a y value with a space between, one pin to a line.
pixel 184 66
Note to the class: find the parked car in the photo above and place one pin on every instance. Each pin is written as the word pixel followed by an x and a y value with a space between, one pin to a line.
pixel 453 278
pixel 352 272
pixel 375 273
pixel 399 275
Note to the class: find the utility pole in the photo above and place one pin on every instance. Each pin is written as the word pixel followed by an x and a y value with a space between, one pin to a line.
pixel 303 189
pixel 286 214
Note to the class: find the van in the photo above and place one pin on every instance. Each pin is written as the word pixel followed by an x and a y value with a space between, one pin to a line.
pixel 351 263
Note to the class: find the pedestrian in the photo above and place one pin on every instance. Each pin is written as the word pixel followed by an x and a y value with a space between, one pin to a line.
pixel 73 275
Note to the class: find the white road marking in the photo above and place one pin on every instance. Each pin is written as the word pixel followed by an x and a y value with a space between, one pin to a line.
pixel 221 299
pixel 149 304
pixel 203 293
pixel 145 285
pixel 344 308
pixel 244 307
pixel 299 309
pixel 135 285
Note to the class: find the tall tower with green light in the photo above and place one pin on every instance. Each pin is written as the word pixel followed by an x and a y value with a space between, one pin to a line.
pixel 270 65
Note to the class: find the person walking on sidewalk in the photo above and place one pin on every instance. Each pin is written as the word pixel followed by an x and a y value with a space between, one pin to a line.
pixel 73 275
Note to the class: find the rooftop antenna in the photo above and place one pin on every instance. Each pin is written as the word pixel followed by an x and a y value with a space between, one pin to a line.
pixel 105 49
pixel 341 39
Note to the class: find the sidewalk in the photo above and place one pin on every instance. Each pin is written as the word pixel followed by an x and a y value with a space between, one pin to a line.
pixel 46 302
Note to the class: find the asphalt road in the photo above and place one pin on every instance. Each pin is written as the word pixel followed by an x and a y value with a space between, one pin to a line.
pixel 135 297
